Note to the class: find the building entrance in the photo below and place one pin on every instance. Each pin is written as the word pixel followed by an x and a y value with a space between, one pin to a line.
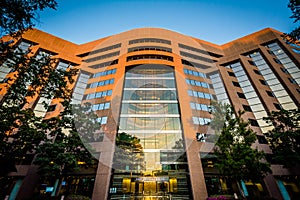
pixel 149 160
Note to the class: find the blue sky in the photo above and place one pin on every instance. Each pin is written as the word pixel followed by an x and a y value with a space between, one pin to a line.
pixel 216 21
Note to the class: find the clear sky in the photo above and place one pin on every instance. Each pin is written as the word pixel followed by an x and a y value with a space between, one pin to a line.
pixel 216 21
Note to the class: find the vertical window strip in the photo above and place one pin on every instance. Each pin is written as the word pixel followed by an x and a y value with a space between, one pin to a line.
pixel 277 88
pixel 219 88
pixel 250 94
pixel 40 110
pixel 5 68
pixel 286 61
pixel 80 87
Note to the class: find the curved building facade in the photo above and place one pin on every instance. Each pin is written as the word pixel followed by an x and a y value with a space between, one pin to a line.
pixel 152 91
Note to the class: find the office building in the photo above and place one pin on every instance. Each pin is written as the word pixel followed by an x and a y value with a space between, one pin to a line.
pixel 157 85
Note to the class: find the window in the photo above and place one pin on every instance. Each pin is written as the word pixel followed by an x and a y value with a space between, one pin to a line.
pixel 257 72
pixel 101 83
pixel 292 80
pixel 194 64
pixel 251 62
pixel 241 95
pixel 253 122
pixel 196 57
pixel 149 56
pixel 154 40
pixel 147 48
pixel 102 120
pixel 247 108
pixel 277 106
pixel 195 120
pixel 263 82
pixel 197 83
pixel 271 52
pixel 102 57
pixel 284 70
pixel 277 61
pixel 231 74
pixel 192 104
pixel 109 92
pixel 5 80
pixel 105 64
pixel 105 49
pixel 99 94
pixel 198 106
pixel 271 94
pixel 236 84
pixel 261 139
pixel 51 108
pixel 194 73
pixel 205 85
pixel 201 121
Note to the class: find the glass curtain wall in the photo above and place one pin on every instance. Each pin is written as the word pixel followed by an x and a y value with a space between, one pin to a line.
pixel 149 160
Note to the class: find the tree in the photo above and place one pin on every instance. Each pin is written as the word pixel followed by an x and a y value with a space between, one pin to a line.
pixel 21 130
pixel 16 16
pixel 128 153
pixel 63 150
pixel 284 138
pixel 294 35
pixel 235 158
pixel 33 76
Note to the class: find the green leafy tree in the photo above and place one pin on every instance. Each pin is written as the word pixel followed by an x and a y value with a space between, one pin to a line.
pixel 55 141
pixel 16 16
pixel 62 151
pixel 21 130
pixel 284 138
pixel 294 35
pixel 128 153
pixel 235 158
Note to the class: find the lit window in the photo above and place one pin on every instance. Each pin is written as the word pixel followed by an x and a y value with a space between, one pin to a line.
pixel 192 104
pixel 104 120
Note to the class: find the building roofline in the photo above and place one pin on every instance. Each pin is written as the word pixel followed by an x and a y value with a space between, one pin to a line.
pixel 251 36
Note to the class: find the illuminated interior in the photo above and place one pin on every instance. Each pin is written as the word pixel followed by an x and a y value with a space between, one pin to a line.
pixel 155 167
